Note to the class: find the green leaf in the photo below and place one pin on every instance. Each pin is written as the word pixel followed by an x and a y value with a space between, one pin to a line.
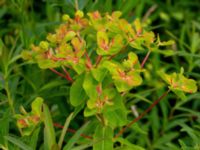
pixel 69 35
pixel 127 145
pixel 164 43
pixel 52 84
pixel 77 93
pixel 116 118
pixel 138 26
pixel 90 85
pixel 34 138
pixel 103 137
pixel 37 106
pixel 49 133
pixel 102 40
pixel 74 139
pixel 127 81
pixel 1 47
pixel 89 112
pixel 64 130
pixel 178 82
pixel 16 141
pixel 99 73
pixel 109 48
pixel 4 122
pixel 179 93
pixel 132 61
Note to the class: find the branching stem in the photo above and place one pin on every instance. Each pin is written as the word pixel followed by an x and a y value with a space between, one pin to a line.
pixel 67 76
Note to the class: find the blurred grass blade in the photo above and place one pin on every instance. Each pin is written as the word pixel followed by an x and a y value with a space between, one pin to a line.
pixel 64 130
pixel 49 133
pixel 34 138
pixel 75 137
pixel 127 145
pixel 52 84
pixel 83 146
pixel 16 141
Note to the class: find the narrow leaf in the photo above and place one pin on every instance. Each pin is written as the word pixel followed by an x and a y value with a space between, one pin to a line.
pixel 75 137
pixel 49 133
pixel 64 130
pixel 16 141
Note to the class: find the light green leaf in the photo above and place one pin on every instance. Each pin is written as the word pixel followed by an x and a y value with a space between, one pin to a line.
pixel 89 85
pixel 49 133
pixel 178 82
pixel 77 93
pixel 99 73
pixel 69 35
pixel 103 138
pixel 102 40
pixel 37 106
pixel 116 118
pixel 64 130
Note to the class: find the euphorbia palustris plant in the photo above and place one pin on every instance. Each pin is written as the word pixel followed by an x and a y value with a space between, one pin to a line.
pixel 100 51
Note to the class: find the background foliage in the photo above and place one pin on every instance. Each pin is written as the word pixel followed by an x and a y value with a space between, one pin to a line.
pixel 173 124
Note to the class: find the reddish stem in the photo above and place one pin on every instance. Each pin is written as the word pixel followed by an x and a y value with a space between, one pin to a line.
pixel 89 62
pixel 67 75
pixel 61 75
pixel 145 59
pixel 142 115
pixel 99 58
pixel 71 130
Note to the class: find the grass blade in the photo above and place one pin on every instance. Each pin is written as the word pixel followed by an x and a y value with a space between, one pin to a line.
pixel 49 133
pixel 75 137
pixel 18 143
pixel 64 130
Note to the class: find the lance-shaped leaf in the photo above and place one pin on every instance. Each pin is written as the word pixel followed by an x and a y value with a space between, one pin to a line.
pixel 103 138
pixel 178 83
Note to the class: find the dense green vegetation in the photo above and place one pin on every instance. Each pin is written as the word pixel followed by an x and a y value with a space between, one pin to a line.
pixel 174 123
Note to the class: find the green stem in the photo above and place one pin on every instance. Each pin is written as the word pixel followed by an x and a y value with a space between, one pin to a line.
pixel 10 100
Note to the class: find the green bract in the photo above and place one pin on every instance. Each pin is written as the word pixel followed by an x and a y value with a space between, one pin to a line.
pixel 101 50
pixel 28 121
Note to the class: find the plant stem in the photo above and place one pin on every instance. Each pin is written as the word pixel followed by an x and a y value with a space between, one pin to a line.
pixel 145 59
pixel 10 100
pixel 99 58
pixel 143 114
pixel 67 76
pixel 89 62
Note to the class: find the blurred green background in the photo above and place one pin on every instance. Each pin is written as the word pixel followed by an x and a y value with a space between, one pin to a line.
pixel 173 124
